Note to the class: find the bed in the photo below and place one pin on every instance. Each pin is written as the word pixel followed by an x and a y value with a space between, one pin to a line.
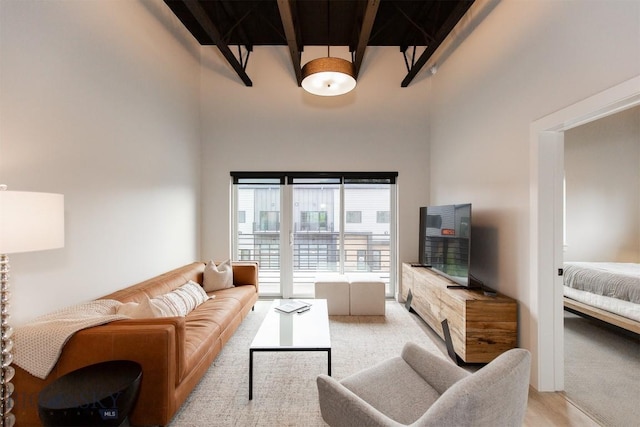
pixel 605 290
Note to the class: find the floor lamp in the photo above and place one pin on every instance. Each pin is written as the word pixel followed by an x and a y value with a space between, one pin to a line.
pixel 28 222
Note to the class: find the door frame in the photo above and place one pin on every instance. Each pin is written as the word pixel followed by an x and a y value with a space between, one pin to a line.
pixel 546 324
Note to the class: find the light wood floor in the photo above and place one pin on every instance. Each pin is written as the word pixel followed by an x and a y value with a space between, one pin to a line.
pixel 553 409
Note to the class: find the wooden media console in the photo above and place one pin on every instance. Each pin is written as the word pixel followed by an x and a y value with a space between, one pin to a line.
pixel 482 327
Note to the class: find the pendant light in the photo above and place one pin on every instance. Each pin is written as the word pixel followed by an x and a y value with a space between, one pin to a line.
pixel 328 76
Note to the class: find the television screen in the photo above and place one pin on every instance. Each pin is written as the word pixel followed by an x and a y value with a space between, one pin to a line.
pixel 445 240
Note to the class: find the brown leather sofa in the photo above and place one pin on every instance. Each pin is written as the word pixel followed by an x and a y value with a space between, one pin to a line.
pixel 174 352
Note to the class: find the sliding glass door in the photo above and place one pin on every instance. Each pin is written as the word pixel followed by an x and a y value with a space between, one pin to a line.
pixel 298 225
pixel 315 230
pixel 369 213
pixel 257 225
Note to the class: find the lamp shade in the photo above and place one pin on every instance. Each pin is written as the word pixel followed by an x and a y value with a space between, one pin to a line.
pixel 30 221
pixel 328 76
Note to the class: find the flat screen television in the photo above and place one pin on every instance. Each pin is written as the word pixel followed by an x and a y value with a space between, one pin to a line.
pixel 445 241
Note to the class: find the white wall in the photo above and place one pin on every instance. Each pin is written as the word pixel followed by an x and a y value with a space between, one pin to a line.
pixel 602 170
pixel 106 103
pixel 275 125
pixel 523 61
pixel 99 101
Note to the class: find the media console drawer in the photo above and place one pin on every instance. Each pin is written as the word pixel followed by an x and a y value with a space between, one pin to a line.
pixel 482 327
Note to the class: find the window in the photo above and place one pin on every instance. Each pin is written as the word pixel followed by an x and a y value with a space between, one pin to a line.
pixel 269 220
pixel 300 224
pixel 362 260
pixel 375 263
pixel 313 221
pixel 354 217
pixel 382 217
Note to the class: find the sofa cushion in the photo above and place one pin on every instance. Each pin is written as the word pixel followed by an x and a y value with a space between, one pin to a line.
pixel 217 277
pixel 205 326
pixel 242 294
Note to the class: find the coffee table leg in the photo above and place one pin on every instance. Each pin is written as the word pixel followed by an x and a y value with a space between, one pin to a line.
pixel 329 361
pixel 250 374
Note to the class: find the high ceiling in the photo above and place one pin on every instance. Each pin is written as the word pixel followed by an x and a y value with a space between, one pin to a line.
pixel 236 26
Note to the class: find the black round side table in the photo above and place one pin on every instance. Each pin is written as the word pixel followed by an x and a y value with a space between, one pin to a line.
pixel 96 395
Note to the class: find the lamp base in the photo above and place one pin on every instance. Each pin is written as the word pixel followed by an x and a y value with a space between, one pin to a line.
pixel 6 331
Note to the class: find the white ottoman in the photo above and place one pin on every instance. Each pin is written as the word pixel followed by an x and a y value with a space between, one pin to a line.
pixel 367 296
pixel 335 289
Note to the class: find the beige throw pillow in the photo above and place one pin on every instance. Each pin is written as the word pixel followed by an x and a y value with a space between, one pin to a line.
pixel 217 277
pixel 143 310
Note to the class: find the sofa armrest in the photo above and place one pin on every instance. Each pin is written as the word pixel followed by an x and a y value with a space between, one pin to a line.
pixel 153 343
pixel 339 406
pixel 179 329
pixel 245 273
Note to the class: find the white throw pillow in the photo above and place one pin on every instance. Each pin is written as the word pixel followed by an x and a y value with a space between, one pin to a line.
pixel 179 302
pixel 193 291
pixel 217 277
pixel 169 305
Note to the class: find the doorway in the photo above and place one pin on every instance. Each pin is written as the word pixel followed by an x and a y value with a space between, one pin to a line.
pixel 546 225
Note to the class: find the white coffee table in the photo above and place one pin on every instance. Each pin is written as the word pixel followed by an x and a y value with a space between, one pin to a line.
pixel 305 331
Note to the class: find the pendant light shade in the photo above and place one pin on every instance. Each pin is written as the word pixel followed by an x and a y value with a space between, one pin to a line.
pixel 328 76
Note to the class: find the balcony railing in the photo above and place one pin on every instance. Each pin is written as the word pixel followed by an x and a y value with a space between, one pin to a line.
pixel 315 253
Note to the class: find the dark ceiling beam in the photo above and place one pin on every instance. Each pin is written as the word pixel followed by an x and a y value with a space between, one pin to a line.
pixel 453 18
pixel 237 26
pixel 286 15
pixel 365 32
pixel 428 38
pixel 212 31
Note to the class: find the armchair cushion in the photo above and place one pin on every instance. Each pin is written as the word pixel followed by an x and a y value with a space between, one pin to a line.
pixel 341 407
pixel 395 389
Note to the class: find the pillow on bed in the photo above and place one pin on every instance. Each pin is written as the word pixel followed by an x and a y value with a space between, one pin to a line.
pixel 217 277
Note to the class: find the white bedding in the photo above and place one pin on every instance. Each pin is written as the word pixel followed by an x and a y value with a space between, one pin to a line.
pixel 614 287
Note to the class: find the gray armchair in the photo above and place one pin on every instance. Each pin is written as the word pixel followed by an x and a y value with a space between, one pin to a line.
pixel 422 389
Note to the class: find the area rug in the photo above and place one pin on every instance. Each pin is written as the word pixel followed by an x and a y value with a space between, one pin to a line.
pixel 602 371
pixel 284 384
